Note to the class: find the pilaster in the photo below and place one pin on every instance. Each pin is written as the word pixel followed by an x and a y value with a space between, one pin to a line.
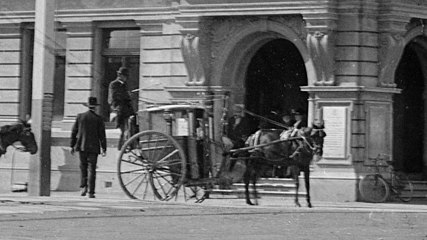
pixel 79 68
pixel 10 72
pixel 357 43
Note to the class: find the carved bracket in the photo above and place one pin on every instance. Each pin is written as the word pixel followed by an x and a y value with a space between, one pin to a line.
pixel 320 47
pixel 190 48
pixel 392 46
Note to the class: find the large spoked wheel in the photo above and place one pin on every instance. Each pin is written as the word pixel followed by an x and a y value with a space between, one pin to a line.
pixel 151 165
pixel 404 187
pixel 374 188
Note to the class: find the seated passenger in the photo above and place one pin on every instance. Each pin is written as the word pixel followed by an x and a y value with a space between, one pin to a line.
pixel 239 127
pixel 300 121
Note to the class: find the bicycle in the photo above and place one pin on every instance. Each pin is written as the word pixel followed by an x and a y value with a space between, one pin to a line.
pixel 374 187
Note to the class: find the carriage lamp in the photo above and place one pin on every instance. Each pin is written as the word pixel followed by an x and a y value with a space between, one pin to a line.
pixel 168 116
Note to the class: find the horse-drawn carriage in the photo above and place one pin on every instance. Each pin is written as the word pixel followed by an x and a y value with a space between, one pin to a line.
pixel 175 150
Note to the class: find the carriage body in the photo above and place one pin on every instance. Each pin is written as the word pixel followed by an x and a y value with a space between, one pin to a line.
pixel 170 150
pixel 189 125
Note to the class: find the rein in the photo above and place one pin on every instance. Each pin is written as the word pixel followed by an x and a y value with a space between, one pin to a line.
pixel 265 119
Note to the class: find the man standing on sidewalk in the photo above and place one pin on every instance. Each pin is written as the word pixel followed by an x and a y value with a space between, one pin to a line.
pixel 88 138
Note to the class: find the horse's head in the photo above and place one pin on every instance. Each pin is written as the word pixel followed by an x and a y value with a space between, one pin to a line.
pixel 317 135
pixel 26 137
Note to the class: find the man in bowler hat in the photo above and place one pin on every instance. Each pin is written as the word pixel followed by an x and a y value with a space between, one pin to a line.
pixel 121 104
pixel 88 138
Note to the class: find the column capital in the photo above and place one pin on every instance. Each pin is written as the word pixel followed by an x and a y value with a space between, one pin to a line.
pixel 190 24
pixel 324 23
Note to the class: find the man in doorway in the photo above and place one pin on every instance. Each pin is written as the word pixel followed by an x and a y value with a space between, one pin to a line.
pixel 88 138
pixel 120 101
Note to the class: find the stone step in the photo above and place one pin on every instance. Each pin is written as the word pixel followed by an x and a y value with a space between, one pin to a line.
pixel 240 193
pixel 420 190
pixel 271 187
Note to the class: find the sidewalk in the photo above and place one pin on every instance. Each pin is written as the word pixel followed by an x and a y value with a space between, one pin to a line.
pixel 14 203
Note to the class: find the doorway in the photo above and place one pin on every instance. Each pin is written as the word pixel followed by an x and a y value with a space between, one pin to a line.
pixel 274 77
pixel 112 64
pixel 409 116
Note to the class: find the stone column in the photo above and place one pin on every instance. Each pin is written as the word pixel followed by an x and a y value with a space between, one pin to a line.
pixel 42 98
pixel 79 74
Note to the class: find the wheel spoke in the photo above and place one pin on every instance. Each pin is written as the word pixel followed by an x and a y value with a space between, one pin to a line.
pixel 152 160
pixel 139 185
pixel 134 179
pixel 167 156
pixel 133 163
pixel 161 185
pixel 132 171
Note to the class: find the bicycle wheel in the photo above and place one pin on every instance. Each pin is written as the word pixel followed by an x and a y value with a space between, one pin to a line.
pixel 373 188
pixel 403 187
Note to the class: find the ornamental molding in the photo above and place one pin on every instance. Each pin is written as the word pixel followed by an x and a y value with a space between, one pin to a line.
pixel 390 51
pixel 417 2
pixel 220 30
pixel 320 45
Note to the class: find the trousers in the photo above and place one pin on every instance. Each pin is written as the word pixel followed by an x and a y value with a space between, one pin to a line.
pixel 88 161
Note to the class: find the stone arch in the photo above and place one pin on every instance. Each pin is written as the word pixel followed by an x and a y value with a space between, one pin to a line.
pixel 243 44
pixel 409 107
pixel 395 47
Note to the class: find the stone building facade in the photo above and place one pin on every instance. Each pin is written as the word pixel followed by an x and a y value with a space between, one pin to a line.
pixel 358 65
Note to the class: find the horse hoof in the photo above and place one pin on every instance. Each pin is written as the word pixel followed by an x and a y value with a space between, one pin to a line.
pixel 297 205
pixel 309 205
pixel 250 203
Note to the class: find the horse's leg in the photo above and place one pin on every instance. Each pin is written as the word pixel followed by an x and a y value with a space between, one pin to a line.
pixel 254 179
pixel 295 174
pixel 246 180
pixel 307 185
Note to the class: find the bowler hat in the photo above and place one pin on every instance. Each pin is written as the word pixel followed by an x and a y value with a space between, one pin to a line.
pixel 286 113
pixel 124 71
pixel 299 111
pixel 92 102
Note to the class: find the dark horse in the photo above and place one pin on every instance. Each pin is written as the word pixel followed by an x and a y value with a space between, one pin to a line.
pixel 295 153
pixel 9 134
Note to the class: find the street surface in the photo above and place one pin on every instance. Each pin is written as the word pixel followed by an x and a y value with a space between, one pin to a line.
pixel 68 216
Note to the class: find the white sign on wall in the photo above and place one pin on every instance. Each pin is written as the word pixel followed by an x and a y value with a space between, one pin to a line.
pixel 181 127
pixel 335 119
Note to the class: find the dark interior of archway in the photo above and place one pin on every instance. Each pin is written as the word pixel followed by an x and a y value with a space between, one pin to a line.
pixel 274 77
pixel 408 114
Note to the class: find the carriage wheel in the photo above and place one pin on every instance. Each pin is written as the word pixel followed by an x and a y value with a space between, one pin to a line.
pixel 151 159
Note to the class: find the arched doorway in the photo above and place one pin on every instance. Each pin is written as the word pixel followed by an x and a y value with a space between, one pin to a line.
pixel 274 77
pixel 409 108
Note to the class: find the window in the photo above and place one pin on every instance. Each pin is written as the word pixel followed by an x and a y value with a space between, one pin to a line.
pixel 122 39
pixel 59 75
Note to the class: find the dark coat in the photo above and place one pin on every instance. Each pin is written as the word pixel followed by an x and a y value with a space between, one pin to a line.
pixel 240 132
pixel 88 133
pixel 119 100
